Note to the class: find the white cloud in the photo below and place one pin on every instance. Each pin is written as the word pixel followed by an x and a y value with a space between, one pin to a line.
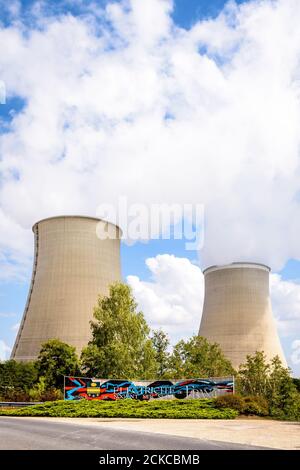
pixel 7 314
pixel 295 356
pixel 285 297
pixel 97 91
pixel 15 327
pixel 172 300
pixel 5 350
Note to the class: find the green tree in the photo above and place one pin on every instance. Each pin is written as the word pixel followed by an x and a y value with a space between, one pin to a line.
pixel 16 378
pixel 283 395
pixel 161 344
pixel 55 360
pixel 272 381
pixel 253 376
pixel 120 345
pixel 197 357
pixel 296 382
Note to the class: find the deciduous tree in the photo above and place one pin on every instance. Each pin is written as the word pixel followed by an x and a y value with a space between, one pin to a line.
pixel 161 344
pixel 197 357
pixel 272 381
pixel 120 346
pixel 55 360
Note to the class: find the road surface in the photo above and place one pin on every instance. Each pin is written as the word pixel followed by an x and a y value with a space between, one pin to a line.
pixel 38 433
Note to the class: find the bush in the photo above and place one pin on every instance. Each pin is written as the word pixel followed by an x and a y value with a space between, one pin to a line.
pixel 250 405
pixel 291 410
pixel 16 394
pixel 126 408
pixel 232 401
pixel 52 394
pixel 16 378
pixel 254 405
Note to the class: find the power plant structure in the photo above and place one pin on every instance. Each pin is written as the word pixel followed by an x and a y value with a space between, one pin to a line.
pixel 73 264
pixel 237 312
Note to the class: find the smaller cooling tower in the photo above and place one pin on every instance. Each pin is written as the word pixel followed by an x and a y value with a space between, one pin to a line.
pixel 237 311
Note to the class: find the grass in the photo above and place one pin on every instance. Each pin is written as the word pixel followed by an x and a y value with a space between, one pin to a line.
pixel 127 408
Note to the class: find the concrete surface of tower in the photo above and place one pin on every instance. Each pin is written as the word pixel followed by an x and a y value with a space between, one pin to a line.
pixel 72 266
pixel 237 311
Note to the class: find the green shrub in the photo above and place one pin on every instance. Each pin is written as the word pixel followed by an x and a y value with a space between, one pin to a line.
pixel 16 394
pixel 255 405
pixel 127 408
pixel 16 378
pixel 52 394
pixel 290 411
pixel 232 401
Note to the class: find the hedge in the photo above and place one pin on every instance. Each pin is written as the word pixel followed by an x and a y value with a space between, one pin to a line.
pixel 126 408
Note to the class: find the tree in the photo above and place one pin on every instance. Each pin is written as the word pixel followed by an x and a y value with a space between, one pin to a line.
pixel 296 382
pixel 120 345
pixel 16 378
pixel 161 344
pixel 283 395
pixel 199 358
pixel 55 360
pixel 253 376
pixel 272 381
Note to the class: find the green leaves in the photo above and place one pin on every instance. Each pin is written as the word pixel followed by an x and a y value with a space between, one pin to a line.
pixel 161 344
pixel 16 378
pixel 127 408
pixel 120 345
pixel 271 381
pixel 55 360
pixel 197 357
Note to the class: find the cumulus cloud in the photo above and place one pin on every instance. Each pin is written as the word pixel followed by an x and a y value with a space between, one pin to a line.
pixel 285 297
pixel 210 115
pixel 295 356
pixel 5 350
pixel 173 298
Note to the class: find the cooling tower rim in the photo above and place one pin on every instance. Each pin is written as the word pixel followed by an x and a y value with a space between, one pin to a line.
pixel 75 217
pixel 238 264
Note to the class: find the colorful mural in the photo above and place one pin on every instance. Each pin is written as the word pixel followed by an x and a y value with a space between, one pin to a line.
pixel 78 388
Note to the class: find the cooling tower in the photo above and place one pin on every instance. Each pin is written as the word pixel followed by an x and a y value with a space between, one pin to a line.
pixel 72 266
pixel 237 311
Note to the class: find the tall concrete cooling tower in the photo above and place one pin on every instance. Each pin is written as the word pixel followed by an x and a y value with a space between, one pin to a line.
pixel 237 311
pixel 72 266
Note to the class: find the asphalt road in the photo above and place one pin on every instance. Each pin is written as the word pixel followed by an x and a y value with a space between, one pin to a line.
pixel 39 433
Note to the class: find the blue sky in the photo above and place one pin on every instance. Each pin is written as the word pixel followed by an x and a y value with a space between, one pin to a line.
pixel 265 230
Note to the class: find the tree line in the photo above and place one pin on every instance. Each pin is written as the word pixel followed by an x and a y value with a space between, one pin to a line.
pixel 122 346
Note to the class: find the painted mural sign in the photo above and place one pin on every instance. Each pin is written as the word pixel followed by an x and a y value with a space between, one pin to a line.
pixel 78 388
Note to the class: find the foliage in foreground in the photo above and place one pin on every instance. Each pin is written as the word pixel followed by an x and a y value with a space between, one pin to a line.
pixel 16 379
pixel 250 405
pixel 161 344
pixel 55 360
pixel 120 346
pixel 272 382
pixel 41 380
pixel 127 408
pixel 197 357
